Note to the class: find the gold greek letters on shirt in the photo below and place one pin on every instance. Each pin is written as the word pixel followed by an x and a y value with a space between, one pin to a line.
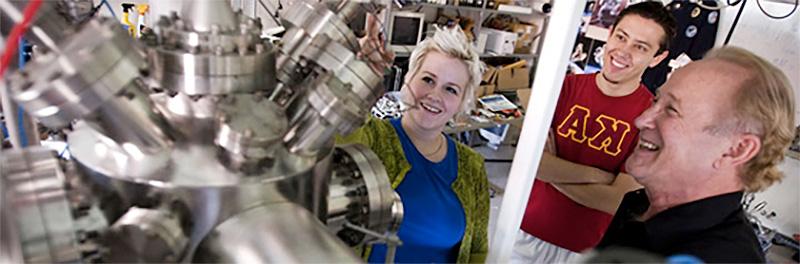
pixel 608 139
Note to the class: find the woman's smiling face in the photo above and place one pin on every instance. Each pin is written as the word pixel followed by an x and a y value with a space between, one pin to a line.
pixel 438 89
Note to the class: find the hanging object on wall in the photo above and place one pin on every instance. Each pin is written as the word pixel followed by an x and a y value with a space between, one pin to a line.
pixel 696 32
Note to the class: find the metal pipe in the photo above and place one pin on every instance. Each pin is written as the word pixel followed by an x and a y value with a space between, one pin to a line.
pixel 274 233
pixel 204 15
pixel 39 34
pixel 10 112
pixel 557 47
pixel 126 119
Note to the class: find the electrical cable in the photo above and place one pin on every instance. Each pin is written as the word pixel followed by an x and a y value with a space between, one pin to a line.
pixel 62 152
pixel 100 5
pixel 796 3
pixel 734 3
pixel 21 112
pixel 16 16
pixel 19 29
pixel 110 9
pixel 758 2
pixel 735 22
pixel 4 129
pixel 23 138
pixel 12 43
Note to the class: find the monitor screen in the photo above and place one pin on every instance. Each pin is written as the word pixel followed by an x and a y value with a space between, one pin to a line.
pixel 406 30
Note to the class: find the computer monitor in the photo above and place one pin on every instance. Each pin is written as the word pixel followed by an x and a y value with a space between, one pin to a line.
pixel 406 30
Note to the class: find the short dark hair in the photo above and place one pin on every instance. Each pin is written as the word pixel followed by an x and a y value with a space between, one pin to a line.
pixel 655 11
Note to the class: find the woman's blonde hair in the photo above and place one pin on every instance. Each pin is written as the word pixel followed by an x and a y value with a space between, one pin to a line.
pixel 764 107
pixel 452 42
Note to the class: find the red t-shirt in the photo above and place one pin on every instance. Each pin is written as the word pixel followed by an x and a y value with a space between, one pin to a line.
pixel 593 129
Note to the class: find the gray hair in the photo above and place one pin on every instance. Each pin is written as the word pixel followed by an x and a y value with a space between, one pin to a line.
pixel 764 107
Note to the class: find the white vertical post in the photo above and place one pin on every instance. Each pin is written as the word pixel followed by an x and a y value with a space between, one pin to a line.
pixel 550 69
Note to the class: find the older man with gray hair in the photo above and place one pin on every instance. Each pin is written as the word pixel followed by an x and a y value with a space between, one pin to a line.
pixel 719 127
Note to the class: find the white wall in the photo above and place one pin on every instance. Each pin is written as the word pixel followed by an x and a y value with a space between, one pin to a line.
pixel 776 40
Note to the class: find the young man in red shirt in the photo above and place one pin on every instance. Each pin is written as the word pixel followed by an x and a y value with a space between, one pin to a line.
pixel 580 181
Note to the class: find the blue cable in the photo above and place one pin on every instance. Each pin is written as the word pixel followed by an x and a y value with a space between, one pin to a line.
pixel 5 130
pixel 20 112
pixel 61 154
pixel 105 2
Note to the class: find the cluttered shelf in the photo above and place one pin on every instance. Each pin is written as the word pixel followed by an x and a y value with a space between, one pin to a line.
pixel 492 109
pixel 485 55
pixel 502 9
pixel 475 124
pixel 793 154
pixel 496 38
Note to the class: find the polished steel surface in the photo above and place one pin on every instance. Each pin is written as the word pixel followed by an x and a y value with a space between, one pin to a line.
pixel 319 113
pixel 97 62
pixel 209 13
pixel 353 9
pixel 55 20
pixel 145 235
pixel 188 114
pixel 180 151
pixel 249 130
pixel 219 54
pixel 36 203
pixel 316 19
pixel 275 233
pixel 360 194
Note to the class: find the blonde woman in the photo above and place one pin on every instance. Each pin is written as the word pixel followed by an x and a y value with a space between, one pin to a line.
pixel 441 182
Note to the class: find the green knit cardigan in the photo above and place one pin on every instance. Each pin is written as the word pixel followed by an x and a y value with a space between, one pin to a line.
pixel 471 185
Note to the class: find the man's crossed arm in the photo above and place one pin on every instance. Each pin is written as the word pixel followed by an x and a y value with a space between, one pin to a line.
pixel 586 185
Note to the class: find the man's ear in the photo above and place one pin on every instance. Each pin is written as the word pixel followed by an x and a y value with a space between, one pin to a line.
pixel 658 58
pixel 744 148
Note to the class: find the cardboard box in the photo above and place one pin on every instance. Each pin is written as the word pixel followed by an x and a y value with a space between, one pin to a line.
pixel 489 75
pixel 524 96
pixel 527 34
pixel 500 42
pixel 484 90
pixel 512 78
pixel 480 43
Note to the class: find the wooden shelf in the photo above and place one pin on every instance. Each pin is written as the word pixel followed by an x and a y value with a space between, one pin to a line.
pixel 516 55
pixel 483 56
pixel 483 13
pixel 475 9
pixel 793 154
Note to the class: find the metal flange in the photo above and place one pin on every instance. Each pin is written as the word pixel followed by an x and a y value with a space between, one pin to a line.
pixel 218 61
pixel 248 130
pixel 39 222
pixel 361 194
pixel 96 63
pixel 146 235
